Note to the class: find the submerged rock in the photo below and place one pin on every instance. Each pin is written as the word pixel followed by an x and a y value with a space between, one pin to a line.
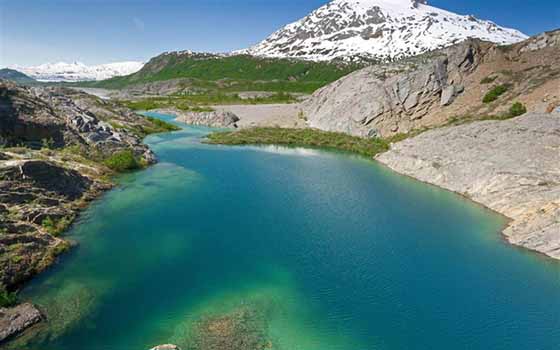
pixel 15 320
pixel 166 347
pixel 245 328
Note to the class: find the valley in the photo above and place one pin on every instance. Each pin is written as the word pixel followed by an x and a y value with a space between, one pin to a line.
pixel 333 186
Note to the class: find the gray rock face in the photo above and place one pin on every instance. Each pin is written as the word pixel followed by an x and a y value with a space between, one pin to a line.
pixel 512 167
pixel 385 99
pixel 65 117
pixel 428 90
pixel 215 119
pixel 15 320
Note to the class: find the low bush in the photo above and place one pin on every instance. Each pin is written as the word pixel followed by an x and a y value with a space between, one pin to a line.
pixel 496 92
pixel 161 125
pixel 7 299
pixel 517 109
pixel 122 161
pixel 56 227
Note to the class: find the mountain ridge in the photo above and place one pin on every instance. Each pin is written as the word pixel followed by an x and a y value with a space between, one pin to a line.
pixel 78 71
pixel 380 30
pixel 16 76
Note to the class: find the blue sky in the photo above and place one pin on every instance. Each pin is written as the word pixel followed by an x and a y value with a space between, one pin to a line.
pixel 101 31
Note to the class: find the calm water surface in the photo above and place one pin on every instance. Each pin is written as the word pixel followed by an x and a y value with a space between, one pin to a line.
pixel 336 251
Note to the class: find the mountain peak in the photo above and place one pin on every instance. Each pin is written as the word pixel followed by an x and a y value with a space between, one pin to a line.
pixel 378 30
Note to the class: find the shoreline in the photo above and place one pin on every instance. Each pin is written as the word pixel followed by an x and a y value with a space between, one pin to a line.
pixel 509 221
pixel 528 201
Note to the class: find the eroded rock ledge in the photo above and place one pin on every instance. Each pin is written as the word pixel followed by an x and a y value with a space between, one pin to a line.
pixel 512 167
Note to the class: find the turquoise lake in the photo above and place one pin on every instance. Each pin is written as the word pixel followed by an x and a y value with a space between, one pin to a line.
pixel 328 252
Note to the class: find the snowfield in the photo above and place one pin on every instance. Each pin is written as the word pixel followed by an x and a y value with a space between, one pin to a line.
pixel 77 71
pixel 377 29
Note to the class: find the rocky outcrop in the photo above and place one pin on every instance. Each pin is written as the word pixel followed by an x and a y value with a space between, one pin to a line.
pixel 510 166
pixel 215 119
pixel 57 117
pixel 14 320
pixel 428 90
pixel 39 198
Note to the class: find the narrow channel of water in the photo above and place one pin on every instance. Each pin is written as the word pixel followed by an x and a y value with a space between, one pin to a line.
pixel 296 250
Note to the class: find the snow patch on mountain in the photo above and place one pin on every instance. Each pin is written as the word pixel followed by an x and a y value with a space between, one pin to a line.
pixel 377 29
pixel 77 71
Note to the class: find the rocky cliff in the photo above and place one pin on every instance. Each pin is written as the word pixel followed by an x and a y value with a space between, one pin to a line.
pixel 428 90
pixel 62 117
pixel 512 167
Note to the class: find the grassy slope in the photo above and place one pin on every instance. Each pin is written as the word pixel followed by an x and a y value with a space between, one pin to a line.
pixel 16 76
pixel 234 73
pixel 301 138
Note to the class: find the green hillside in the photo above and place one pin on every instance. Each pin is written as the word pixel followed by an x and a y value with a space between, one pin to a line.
pixel 208 72
pixel 16 76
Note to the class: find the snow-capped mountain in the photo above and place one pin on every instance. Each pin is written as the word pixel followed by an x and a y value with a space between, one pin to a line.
pixel 377 29
pixel 77 71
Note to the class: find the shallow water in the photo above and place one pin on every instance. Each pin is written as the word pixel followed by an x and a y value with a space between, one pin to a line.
pixel 333 251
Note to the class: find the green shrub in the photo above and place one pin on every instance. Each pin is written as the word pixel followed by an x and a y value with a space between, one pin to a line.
pixel 488 80
pixel 517 109
pixel 7 299
pixel 122 161
pixel 493 94
pixel 47 143
pixel 162 125
pixel 56 227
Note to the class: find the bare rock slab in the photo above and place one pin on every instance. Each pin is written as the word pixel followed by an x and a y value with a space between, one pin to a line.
pixel 511 167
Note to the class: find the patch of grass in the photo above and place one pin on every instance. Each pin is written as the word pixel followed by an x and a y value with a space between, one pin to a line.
pixel 56 227
pixel 200 102
pixel 234 73
pixel 7 299
pixel 496 92
pixel 517 109
pixel 301 138
pixel 162 125
pixel 123 161
pixel 488 79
